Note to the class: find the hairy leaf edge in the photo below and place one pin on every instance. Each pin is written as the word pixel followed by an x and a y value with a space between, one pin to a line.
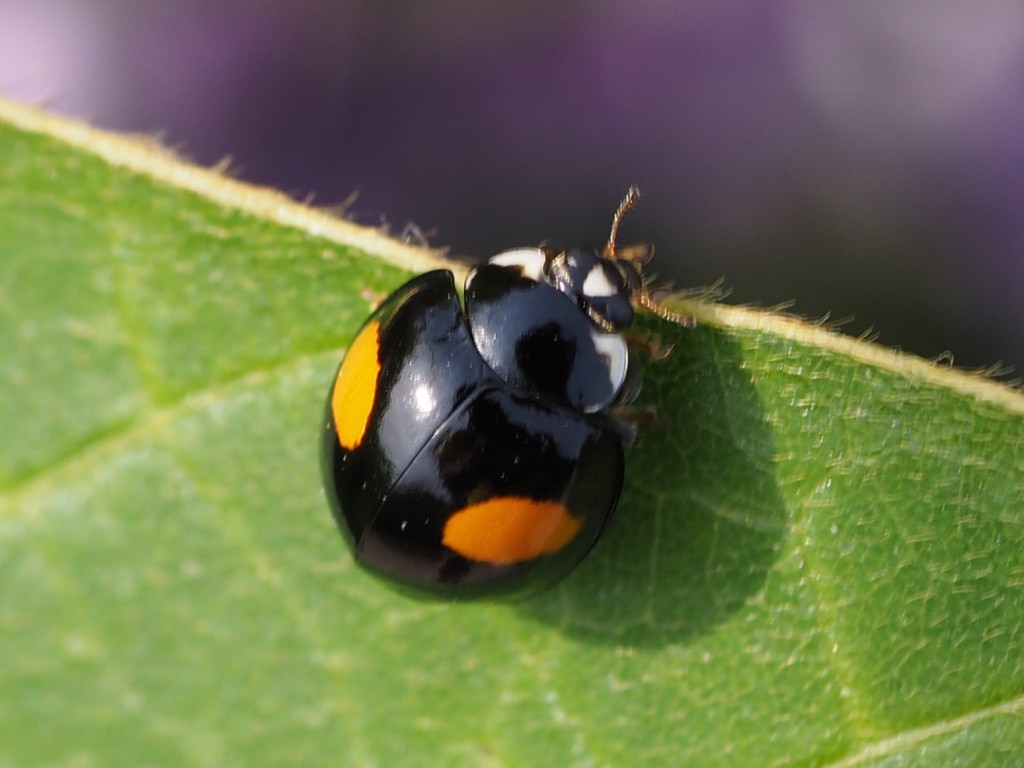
pixel 146 156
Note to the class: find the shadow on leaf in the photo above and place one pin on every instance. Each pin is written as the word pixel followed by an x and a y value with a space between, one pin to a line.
pixel 701 517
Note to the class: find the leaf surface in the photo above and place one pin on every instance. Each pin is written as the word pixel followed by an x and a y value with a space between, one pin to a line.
pixel 818 558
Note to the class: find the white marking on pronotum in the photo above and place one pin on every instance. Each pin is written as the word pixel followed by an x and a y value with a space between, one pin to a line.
pixel 598 283
pixel 529 260
pixel 612 347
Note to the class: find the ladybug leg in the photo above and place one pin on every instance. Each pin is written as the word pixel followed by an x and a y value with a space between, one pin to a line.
pixel 626 420
pixel 646 416
pixel 624 428
pixel 652 346
pixel 623 417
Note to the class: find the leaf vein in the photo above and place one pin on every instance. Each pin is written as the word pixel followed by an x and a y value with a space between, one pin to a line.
pixel 89 453
pixel 907 739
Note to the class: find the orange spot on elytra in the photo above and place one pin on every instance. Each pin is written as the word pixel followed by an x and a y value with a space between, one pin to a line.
pixel 510 529
pixel 355 389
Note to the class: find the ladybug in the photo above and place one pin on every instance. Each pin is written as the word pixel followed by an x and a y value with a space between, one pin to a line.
pixel 469 451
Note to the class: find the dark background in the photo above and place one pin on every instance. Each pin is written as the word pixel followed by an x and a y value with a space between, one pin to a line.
pixel 863 159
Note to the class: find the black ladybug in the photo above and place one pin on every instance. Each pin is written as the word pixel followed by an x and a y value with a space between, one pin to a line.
pixel 468 452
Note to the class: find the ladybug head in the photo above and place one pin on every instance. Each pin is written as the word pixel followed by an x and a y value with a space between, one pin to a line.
pixel 601 287
pixel 607 285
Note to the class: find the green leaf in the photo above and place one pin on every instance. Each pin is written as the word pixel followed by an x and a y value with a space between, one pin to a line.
pixel 818 558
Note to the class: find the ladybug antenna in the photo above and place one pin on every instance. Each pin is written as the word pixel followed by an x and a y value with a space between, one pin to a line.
pixel 632 195
pixel 652 301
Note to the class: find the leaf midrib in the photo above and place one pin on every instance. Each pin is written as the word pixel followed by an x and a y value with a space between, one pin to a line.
pixel 147 421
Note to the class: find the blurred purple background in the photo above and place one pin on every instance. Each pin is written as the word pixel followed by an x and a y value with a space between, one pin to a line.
pixel 864 159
